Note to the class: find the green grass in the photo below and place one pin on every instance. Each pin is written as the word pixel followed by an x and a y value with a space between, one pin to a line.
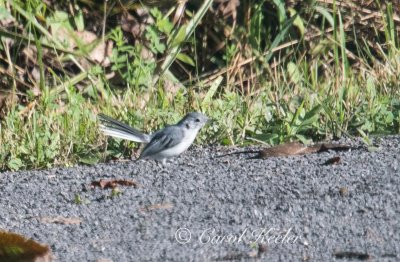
pixel 299 93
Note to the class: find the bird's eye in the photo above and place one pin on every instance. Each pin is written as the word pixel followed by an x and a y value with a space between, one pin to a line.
pixel 197 120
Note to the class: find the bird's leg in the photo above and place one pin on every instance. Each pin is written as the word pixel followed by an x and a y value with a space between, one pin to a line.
pixel 162 189
pixel 163 169
pixel 163 166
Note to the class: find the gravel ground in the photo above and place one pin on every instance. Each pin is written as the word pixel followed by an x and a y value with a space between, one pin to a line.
pixel 206 208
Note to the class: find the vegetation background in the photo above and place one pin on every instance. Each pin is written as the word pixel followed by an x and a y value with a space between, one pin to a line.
pixel 266 71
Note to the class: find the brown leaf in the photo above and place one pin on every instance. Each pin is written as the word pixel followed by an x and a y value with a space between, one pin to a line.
pixel 27 109
pixel 100 54
pixel 61 220
pixel 136 25
pixel 332 161
pixel 352 255
pixel 343 191
pixel 14 247
pixel 113 183
pixel 262 248
pixel 291 149
pixel 171 89
pixel 284 150
pixel 7 100
pixel 335 147
pixel 180 11
pixel 104 260
pixel 35 75
pixel 296 148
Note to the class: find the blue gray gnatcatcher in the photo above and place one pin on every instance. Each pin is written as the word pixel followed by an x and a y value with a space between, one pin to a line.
pixel 167 142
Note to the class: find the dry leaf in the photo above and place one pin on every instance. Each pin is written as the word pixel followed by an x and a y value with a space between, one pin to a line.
pixel 352 255
pixel 7 99
pixel 16 248
pixel 332 161
pixel 335 147
pixel 291 149
pixel 100 53
pixel 61 220
pixel 104 260
pixel 136 25
pixel 180 11
pixel 343 191
pixel 284 150
pixel 113 183
pixel 27 109
pixel 295 148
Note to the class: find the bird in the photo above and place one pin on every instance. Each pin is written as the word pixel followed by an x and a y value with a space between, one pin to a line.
pixel 165 143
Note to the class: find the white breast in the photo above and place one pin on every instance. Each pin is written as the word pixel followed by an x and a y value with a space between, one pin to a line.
pixel 188 139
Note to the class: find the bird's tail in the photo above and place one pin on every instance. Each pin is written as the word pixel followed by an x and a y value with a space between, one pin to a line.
pixel 111 127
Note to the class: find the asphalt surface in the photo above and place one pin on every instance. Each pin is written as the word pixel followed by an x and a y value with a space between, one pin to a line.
pixel 225 209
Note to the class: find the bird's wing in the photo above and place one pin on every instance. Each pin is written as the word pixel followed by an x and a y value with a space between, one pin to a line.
pixel 162 140
pixel 115 128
